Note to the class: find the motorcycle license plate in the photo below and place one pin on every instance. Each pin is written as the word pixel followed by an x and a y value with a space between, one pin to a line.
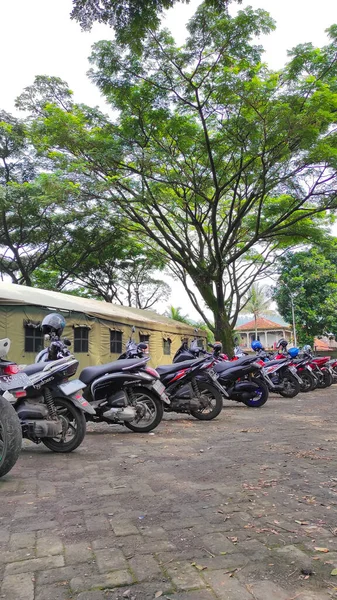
pixel 71 387
pixel 14 382
pixel 160 389
pixel 213 375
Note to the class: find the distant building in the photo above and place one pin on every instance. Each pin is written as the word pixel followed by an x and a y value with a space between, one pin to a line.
pixel 268 332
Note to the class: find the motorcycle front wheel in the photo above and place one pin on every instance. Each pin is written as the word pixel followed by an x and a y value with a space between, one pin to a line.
pixel 308 382
pixel 73 424
pixel 291 386
pixel 211 402
pixel 149 410
pixel 10 437
pixel 260 396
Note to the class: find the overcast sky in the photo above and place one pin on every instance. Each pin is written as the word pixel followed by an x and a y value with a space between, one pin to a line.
pixel 37 37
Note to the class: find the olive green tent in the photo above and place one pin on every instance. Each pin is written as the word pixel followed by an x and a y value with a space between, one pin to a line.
pixel 97 330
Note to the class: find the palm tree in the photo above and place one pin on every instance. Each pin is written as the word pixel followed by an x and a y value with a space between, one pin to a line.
pixel 257 303
pixel 175 313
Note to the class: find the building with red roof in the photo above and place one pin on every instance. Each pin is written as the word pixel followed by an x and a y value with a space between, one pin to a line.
pixel 268 332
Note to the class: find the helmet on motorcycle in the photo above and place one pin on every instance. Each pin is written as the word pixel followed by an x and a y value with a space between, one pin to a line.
pixel 293 352
pixel 53 323
pixel 307 349
pixel 256 345
pixel 282 343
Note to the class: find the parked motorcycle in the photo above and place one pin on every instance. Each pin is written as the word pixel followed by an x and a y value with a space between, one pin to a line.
pixel 10 428
pixel 192 386
pixel 279 373
pixel 321 367
pixel 240 379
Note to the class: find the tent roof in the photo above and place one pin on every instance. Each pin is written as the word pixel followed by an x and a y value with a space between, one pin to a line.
pixel 11 294
pixel 261 324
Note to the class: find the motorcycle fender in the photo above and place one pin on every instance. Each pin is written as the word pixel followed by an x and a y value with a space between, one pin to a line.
pixel 245 386
pixel 82 404
pixel 159 389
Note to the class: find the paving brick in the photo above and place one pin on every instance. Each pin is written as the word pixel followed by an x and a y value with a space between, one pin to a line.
pixel 218 542
pixel 63 574
pixel 154 532
pixel 97 595
pixel 4 536
pixel 52 592
pixel 110 560
pixel 22 540
pixel 98 523
pixel 265 590
pixel 35 526
pixel 16 555
pixel 106 581
pixel 184 576
pixel 123 529
pixel 49 546
pixel 78 553
pixel 145 567
pixel 20 586
pixel 36 564
pixel 227 588
pixel 105 542
pixel 193 595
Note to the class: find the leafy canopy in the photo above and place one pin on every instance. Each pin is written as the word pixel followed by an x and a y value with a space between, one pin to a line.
pixel 222 163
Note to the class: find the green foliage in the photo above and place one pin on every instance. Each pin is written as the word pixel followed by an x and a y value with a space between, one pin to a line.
pixel 220 162
pixel 175 313
pixel 310 277
pixel 257 303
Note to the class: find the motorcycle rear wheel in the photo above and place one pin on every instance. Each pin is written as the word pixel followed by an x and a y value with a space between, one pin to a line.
pixel 261 397
pixel 326 380
pixel 152 408
pixel 291 386
pixel 214 402
pixel 10 437
pixel 308 382
pixel 74 420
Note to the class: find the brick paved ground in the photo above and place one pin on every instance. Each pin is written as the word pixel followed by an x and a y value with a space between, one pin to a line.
pixel 234 509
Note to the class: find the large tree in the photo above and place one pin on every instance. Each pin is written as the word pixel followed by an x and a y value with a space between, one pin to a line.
pixel 309 279
pixel 219 161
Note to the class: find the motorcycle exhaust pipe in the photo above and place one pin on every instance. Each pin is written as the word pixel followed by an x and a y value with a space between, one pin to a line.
pixel 121 414
pixel 41 429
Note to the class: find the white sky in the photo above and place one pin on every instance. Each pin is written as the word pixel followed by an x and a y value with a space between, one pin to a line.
pixel 37 37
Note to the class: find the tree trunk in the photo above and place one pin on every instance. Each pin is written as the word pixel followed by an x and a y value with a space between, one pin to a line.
pixel 223 332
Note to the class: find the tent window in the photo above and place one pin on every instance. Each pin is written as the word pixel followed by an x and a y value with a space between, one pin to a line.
pixel 144 337
pixel 81 339
pixel 33 339
pixel 167 346
pixel 116 342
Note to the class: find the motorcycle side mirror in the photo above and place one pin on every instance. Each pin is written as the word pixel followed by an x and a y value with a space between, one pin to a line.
pixel 66 342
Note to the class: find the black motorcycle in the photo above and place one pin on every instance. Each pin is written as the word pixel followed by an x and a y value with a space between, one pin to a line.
pixel 192 386
pixel 240 378
pixel 10 428
pixel 121 392
pixel 50 408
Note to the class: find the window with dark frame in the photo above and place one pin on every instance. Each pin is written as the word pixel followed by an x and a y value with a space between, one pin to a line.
pixel 200 343
pixel 81 339
pixel 167 346
pixel 34 340
pixel 144 337
pixel 116 342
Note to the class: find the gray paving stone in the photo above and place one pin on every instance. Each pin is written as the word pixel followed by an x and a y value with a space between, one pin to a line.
pixel 49 545
pixel 227 588
pixel 22 540
pixel 19 586
pixel 52 592
pixel 145 567
pixel 218 542
pixel 106 581
pixel 35 564
pixel 63 574
pixel 110 560
pixel 97 595
pixel 123 529
pixel 265 590
pixel 184 576
pixel 78 553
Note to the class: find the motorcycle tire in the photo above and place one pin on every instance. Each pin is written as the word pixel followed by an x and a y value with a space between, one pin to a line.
pixel 292 386
pixel 158 412
pixel 261 397
pixel 215 395
pixel 309 382
pixel 326 381
pixel 69 414
pixel 10 437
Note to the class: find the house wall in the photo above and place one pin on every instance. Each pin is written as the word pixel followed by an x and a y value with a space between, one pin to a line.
pixel 266 337
pixel 12 320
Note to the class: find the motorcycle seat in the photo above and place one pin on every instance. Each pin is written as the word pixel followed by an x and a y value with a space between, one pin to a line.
pixel 163 369
pixel 36 368
pixel 229 370
pixel 90 373
pixel 277 361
